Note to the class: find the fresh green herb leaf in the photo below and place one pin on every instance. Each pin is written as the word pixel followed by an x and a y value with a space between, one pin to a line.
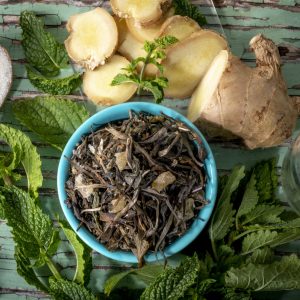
pixel 154 88
pixel 114 281
pixel 147 274
pixel 67 290
pixel 41 49
pixel 83 255
pixel 23 152
pixel 250 198
pixel 222 219
pixel 263 255
pixel 173 283
pixel 25 269
pixel 264 214
pixel 32 230
pixel 185 8
pixel 266 181
pixel 263 238
pixel 53 119
pixel 155 53
pixel 123 78
pixel 280 275
pixel 163 43
pixel 58 86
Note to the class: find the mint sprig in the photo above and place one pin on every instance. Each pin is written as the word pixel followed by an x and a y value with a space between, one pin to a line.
pixel 24 153
pixel 155 53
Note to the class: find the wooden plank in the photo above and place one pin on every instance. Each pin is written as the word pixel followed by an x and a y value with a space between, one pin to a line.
pixel 277 19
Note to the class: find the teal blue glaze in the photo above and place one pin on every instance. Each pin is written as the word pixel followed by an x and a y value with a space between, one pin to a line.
pixel 120 112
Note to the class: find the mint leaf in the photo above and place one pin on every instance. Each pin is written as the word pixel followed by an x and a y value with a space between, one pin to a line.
pixel 280 275
pixel 53 119
pixel 173 283
pixel 83 255
pixel 263 238
pixel 25 153
pixel 250 198
pixel 113 281
pixel 58 86
pixel 154 88
pixel 147 274
pixel 165 41
pixel 67 290
pixel 123 78
pixel 25 269
pixel 266 180
pixel 222 219
pixel 41 49
pixel 185 8
pixel 32 230
pixel 264 214
pixel 261 256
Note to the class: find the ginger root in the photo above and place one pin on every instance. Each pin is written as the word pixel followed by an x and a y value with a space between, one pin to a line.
pixel 93 38
pixel 145 12
pixel 188 60
pixel 97 83
pixel 150 32
pixel 5 74
pixel 234 100
pixel 179 27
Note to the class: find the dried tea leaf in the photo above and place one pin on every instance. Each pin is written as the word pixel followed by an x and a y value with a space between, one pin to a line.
pixel 85 190
pixel 118 204
pixel 121 160
pixel 163 180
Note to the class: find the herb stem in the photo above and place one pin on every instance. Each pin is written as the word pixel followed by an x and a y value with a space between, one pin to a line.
pixel 214 250
pixel 242 234
pixel 53 268
pixel 141 77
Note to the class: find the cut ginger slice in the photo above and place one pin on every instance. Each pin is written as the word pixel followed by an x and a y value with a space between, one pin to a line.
pixel 179 27
pixel 97 83
pixel 150 32
pixel 144 12
pixel 187 62
pixel 93 38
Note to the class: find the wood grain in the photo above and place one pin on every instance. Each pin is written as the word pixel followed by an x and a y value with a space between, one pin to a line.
pixel 241 20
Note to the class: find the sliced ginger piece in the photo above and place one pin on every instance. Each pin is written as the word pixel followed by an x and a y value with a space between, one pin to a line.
pixel 144 12
pixel 5 74
pixel 179 27
pixel 187 62
pixel 150 32
pixel 93 38
pixel 97 83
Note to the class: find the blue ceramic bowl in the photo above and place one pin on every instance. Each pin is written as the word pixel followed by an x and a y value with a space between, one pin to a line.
pixel 119 112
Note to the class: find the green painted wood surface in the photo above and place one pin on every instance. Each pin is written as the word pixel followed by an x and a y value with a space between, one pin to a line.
pixel 277 19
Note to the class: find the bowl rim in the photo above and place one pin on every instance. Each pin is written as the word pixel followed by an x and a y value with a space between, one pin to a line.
pixel 95 122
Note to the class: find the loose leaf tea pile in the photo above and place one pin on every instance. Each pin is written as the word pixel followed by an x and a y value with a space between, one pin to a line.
pixel 138 184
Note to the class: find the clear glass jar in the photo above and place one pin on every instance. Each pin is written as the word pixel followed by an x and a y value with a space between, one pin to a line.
pixel 290 176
